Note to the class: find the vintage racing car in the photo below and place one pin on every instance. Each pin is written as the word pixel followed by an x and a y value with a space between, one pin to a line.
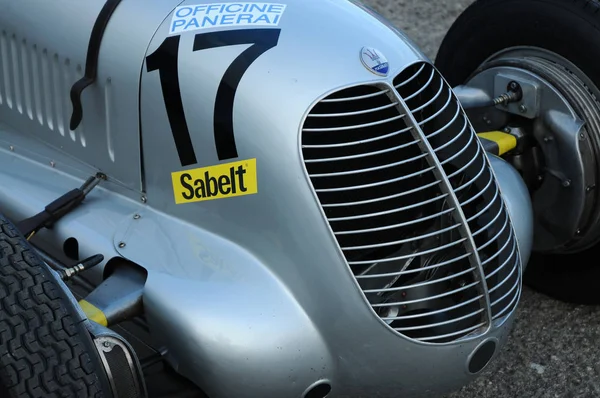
pixel 280 199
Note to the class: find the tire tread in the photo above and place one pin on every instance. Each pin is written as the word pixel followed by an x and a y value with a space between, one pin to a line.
pixel 42 351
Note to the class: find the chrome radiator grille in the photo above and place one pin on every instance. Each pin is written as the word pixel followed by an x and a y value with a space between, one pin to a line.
pixel 409 194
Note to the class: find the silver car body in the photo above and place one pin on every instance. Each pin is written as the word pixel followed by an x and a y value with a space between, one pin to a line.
pixel 251 295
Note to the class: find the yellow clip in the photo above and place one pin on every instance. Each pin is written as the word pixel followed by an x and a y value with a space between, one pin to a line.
pixel 497 142
pixel 93 313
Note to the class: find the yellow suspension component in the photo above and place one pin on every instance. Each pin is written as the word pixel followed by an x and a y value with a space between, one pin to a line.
pixel 497 142
pixel 93 313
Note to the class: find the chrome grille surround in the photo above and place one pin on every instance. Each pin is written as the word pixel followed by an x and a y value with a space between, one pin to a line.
pixel 412 200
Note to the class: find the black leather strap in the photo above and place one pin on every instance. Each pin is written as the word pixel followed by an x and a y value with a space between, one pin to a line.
pixel 91 62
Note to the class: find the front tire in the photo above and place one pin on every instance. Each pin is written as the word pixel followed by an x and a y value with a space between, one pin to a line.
pixel 570 29
pixel 45 348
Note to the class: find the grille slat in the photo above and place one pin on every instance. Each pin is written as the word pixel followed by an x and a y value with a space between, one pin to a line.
pixel 404 224
pixel 414 254
pixel 441 295
pixel 440 311
pixel 359 142
pixel 402 241
pixel 461 318
pixel 355 126
pixel 354 113
pixel 408 192
pixel 357 171
pixel 453 334
pixel 430 282
pixel 397 195
pixel 426 268
pixel 406 81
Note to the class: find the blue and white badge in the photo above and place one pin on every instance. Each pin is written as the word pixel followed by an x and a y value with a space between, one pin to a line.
pixel 374 61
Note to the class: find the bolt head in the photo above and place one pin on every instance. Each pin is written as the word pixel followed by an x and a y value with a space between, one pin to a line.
pixel 143 199
pixel 136 216
pixel 513 86
pixel 12 148
pixel 566 183
pixel 522 108
pixel 122 244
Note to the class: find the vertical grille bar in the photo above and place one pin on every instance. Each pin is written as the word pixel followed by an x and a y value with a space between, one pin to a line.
pixel 460 217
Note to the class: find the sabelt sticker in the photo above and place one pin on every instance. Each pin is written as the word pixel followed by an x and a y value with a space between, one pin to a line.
pixel 215 182
pixel 215 15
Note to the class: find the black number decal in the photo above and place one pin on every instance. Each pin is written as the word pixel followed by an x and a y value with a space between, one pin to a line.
pixel 165 59
pixel 262 40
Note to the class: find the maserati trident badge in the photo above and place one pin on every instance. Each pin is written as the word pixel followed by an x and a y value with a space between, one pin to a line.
pixel 374 61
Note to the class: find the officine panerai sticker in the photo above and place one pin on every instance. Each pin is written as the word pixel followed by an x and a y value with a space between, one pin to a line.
pixel 225 15
pixel 374 61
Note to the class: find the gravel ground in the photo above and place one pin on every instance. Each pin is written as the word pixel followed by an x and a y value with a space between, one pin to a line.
pixel 554 350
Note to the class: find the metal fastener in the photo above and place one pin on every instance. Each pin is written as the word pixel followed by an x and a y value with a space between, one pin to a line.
pixel 52 164
pixel 143 199
pixel 122 244
pixel 12 148
pixel 566 183
pixel 522 108
pixel 106 344
pixel 136 216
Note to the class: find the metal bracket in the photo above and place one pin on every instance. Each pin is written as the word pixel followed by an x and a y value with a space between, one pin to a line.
pixel 529 105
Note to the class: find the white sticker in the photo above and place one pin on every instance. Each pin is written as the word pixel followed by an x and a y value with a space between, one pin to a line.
pixel 205 16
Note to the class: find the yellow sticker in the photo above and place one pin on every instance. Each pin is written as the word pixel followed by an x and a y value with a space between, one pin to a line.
pixel 215 182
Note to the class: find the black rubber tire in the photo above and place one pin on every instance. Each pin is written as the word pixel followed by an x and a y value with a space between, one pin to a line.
pixel 45 349
pixel 570 28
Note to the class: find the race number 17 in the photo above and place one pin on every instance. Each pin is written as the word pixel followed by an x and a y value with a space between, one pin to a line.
pixel 165 60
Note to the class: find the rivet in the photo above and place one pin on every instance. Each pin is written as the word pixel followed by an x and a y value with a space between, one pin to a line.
pixel 106 344
pixel 52 164
pixel 143 199
pixel 122 244
pixel 522 108
pixel 566 183
pixel 136 216
pixel 12 148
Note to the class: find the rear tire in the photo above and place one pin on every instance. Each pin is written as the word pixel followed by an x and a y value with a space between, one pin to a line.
pixel 45 348
pixel 569 28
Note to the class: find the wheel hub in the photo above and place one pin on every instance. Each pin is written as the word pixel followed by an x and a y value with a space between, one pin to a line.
pixel 559 116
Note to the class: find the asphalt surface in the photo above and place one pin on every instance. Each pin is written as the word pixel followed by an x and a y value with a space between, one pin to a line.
pixel 554 349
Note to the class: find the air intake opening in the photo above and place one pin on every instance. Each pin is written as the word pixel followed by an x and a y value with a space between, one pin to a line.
pixel 482 356
pixel 320 389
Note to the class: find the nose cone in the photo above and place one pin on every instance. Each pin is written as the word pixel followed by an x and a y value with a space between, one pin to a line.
pixel 517 199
